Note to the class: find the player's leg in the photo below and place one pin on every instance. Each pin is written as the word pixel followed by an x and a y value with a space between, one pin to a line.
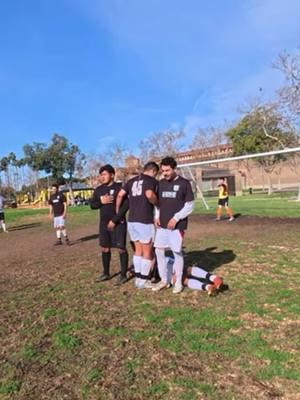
pixel 219 211
pixel 202 286
pixel 197 272
pixel 146 236
pixel 119 239
pixel 2 222
pixel 64 231
pixel 56 223
pixel 160 244
pixel 105 246
pixel 138 251
pixel 175 243
pixel 229 210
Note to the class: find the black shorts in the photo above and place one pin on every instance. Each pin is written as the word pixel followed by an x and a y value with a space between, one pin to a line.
pixel 223 202
pixel 2 217
pixel 115 238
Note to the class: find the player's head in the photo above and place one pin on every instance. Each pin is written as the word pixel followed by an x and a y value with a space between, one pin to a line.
pixel 151 168
pixel 168 167
pixel 54 188
pixel 222 179
pixel 107 174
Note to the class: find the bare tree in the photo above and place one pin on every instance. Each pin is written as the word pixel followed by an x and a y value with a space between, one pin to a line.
pixel 160 144
pixel 209 137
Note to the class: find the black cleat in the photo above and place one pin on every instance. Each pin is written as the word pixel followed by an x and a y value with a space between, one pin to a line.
pixel 68 242
pixel 58 242
pixel 102 278
pixel 121 280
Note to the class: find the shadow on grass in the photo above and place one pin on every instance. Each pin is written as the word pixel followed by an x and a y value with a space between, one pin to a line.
pixel 24 226
pixel 87 238
pixel 209 259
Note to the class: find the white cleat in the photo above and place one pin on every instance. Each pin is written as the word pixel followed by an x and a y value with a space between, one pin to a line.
pixel 160 286
pixel 177 289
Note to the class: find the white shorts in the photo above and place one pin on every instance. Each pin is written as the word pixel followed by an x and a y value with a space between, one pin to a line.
pixel 139 232
pixel 59 222
pixel 167 238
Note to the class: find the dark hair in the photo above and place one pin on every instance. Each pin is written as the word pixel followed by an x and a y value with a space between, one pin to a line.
pixel 107 168
pixel 151 165
pixel 169 161
pixel 55 185
pixel 222 178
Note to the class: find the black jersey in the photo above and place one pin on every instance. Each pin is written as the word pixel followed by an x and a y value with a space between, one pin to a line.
pixel 172 195
pixel 107 211
pixel 140 209
pixel 57 201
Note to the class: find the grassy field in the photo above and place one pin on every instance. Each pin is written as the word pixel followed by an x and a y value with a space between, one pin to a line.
pixel 65 337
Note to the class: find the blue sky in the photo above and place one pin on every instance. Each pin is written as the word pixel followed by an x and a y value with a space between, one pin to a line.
pixel 114 71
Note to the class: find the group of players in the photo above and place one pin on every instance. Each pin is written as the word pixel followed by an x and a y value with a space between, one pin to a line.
pixel 157 220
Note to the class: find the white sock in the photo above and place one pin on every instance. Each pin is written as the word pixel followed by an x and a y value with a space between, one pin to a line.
pixel 196 285
pixel 170 267
pixel 58 233
pixel 198 272
pixel 145 268
pixel 137 263
pixel 64 232
pixel 178 267
pixel 3 226
pixel 161 264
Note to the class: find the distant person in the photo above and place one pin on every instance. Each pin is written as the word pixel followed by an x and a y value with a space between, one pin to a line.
pixel 58 211
pixel 224 201
pixel 113 226
pixel 175 204
pixel 141 191
pixel 2 216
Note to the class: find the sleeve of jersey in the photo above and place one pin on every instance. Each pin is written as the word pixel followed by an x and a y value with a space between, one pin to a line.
pixel 95 202
pixel 186 210
pixel 126 187
pixel 122 211
pixel 189 195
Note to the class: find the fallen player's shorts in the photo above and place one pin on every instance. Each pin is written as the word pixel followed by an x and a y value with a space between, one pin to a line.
pixel 59 222
pixel 139 232
pixel 2 217
pixel 167 238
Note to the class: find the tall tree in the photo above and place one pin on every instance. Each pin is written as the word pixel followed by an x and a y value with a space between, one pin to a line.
pixel 262 129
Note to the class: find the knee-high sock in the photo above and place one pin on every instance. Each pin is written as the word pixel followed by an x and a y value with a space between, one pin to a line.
pixel 198 272
pixel 3 226
pixel 123 262
pixel 170 267
pixel 146 266
pixel 178 267
pixel 229 212
pixel 161 264
pixel 64 232
pixel 196 285
pixel 137 263
pixel 106 262
pixel 58 233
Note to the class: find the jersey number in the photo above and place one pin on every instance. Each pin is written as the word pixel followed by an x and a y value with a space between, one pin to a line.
pixel 136 189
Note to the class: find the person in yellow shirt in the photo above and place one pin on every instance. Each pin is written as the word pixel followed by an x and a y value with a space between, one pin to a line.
pixel 224 201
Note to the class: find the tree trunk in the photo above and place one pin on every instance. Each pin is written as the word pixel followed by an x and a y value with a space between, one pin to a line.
pixel 270 187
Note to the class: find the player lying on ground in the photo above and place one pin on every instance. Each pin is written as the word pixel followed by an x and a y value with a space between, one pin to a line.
pixel 58 211
pixel 112 226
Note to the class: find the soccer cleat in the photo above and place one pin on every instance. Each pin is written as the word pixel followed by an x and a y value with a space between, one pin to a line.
pixel 231 219
pixel 149 285
pixel 121 281
pixel 160 286
pixel 218 282
pixel 177 289
pixel 211 290
pixel 58 242
pixel 217 219
pixel 102 278
pixel 68 241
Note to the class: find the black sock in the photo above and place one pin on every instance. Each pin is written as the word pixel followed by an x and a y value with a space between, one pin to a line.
pixel 106 262
pixel 124 263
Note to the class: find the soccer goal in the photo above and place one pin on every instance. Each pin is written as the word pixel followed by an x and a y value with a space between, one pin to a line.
pixel 270 171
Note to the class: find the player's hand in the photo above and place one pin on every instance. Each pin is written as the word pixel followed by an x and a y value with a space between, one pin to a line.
pixel 172 223
pixel 106 199
pixel 157 223
pixel 111 226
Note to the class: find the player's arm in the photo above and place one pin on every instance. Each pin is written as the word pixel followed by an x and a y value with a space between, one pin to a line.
pixel 156 217
pixel 95 202
pixel 65 207
pixel 50 210
pixel 187 208
pixel 122 193
pixel 151 197
pixel 122 211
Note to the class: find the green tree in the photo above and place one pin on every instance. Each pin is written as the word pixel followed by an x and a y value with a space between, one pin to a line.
pixel 260 130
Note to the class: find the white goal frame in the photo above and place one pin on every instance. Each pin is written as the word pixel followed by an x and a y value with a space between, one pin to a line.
pixel 187 166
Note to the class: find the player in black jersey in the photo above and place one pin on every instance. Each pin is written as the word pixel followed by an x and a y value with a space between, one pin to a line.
pixel 141 192
pixel 175 202
pixel 112 227
pixel 58 211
